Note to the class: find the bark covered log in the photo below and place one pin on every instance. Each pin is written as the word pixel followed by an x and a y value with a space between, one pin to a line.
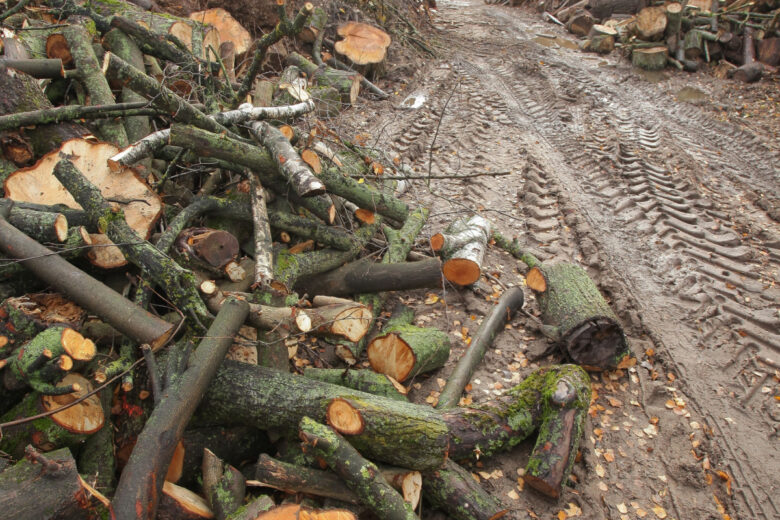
pixel 402 434
pixel 363 380
pixel 493 323
pixel 577 315
pixel 463 246
pixel 403 350
pixel 453 490
pixel 363 276
pixel 91 294
pixel 138 491
pixel 49 491
pixel 361 475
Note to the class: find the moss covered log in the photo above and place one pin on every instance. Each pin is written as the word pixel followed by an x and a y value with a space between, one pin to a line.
pixel 364 380
pixel 44 360
pixel 346 83
pixel 140 485
pixel 402 434
pixel 40 225
pixel 361 475
pixel 46 489
pixel 577 315
pixel 21 93
pixel 403 350
pixel 64 429
pixel 453 490
pixel 89 74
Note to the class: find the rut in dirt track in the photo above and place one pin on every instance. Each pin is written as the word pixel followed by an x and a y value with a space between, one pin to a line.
pixel 620 176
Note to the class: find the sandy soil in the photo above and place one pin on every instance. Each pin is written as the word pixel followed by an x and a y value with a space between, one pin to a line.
pixel 665 188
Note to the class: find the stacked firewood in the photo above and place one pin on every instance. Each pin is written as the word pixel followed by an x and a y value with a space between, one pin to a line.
pixel 740 37
pixel 211 214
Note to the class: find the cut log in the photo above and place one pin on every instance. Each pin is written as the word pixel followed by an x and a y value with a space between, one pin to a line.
pixel 351 321
pixel 363 44
pixel 124 315
pixel 45 488
pixel 63 429
pixel 363 380
pixel 403 434
pixel 288 162
pixel 228 28
pixel 223 485
pixel 602 39
pixel 212 250
pixel 347 83
pixel 463 246
pixel 651 23
pixel 510 301
pixel 769 51
pixel 363 276
pixel 42 226
pixel 403 350
pixel 453 490
pixel 293 478
pixel 577 315
pixel 138 491
pixel 673 24
pixel 23 317
pixel 580 22
pixel 31 364
pixel 604 9
pixel 178 503
pixel 141 206
pixel 653 58
pixel 361 475
pixel 751 70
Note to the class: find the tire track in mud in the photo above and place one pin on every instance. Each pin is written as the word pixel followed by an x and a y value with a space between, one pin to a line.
pixel 619 159
pixel 659 175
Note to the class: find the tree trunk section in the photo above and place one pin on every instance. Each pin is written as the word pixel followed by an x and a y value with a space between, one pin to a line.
pixel 364 276
pixel 581 319
pixel 363 380
pixel 502 313
pixel 51 492
pixel 361 475
pixel 653 58
pixel 453 490
pixel 138 491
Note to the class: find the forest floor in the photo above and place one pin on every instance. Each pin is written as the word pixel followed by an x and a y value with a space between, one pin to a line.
pixel 665 187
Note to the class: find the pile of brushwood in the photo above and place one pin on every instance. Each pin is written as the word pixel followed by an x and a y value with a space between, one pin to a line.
pixel 167 256
pixel 740 37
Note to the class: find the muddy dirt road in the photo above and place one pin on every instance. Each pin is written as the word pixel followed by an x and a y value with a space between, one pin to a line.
pixel 662 201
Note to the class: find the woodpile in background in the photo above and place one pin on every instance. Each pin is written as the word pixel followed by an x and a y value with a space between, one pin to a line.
pixel 739 38
pixel 165 209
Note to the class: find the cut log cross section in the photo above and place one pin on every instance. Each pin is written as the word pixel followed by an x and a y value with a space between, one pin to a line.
pixel 403 350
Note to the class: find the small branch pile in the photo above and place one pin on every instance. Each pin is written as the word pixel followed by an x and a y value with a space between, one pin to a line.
pixel 164 209
pixel 740 36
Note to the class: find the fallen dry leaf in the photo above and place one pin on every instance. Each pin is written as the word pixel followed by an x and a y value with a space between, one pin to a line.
pixel 431 298
pixel 561 515
pixel 513 495
pixel 659 511
pixel 622 508
pixel 573 510
pixel 600 471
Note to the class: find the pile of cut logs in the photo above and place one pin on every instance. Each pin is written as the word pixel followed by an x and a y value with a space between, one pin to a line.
pixel 168 255
pixel 741 37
